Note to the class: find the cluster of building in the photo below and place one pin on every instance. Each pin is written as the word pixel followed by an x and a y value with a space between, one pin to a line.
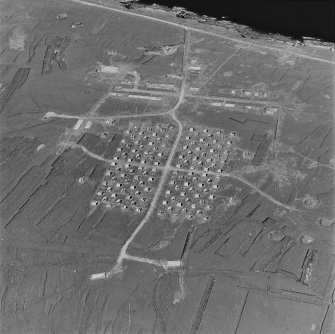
pixel 243 107
pixel 127 187
pixel 244 92
pixel 136 96
pixel 189 195
pixel 133 174
pixel 205 149
pixel 145 144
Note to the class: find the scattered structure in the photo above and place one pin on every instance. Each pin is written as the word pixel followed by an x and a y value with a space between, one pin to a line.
pixel 189 195
pixel 205 149
pixel 130 181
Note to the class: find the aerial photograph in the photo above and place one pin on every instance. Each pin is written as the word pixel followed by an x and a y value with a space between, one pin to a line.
pixel 167 167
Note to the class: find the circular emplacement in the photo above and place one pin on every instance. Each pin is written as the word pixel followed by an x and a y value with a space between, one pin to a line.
pixel 276 235
pixel 81 180
pixel 310 202
pixel 247 155
pixel 325 222
pixel 306 239
pixel 280 212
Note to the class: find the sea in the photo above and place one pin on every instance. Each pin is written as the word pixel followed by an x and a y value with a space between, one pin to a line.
pixel 295 19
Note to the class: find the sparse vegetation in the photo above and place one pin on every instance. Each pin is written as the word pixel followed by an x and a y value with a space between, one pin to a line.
pixel 158 177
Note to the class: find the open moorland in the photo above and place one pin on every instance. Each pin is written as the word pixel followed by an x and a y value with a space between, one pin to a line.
pixel 161 176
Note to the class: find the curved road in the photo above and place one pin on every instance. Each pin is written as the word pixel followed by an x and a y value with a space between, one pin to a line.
pixel 123 253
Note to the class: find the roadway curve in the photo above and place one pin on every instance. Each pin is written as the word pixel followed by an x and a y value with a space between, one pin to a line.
pixel 123 252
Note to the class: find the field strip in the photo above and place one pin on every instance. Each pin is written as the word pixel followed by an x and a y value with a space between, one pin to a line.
pixel 87 3
pixel 197 96
pixel 52 114
pixel 90 116
pixel 145 91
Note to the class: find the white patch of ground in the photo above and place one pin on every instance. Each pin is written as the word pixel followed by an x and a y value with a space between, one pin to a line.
pixel 260 87
pixel 96 29
pixel 40 147
pixel 181 293
pixel 198 50
pixel 284 172
pixel 107 69
pixel 228 74
pixel 286 59
pixel 226 203
pixel 113 72
pixel 17 39
pixel 165 50
pixel 162 244
pixel 296 85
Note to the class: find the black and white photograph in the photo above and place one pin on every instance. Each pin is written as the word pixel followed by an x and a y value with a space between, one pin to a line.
pixel 167 167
